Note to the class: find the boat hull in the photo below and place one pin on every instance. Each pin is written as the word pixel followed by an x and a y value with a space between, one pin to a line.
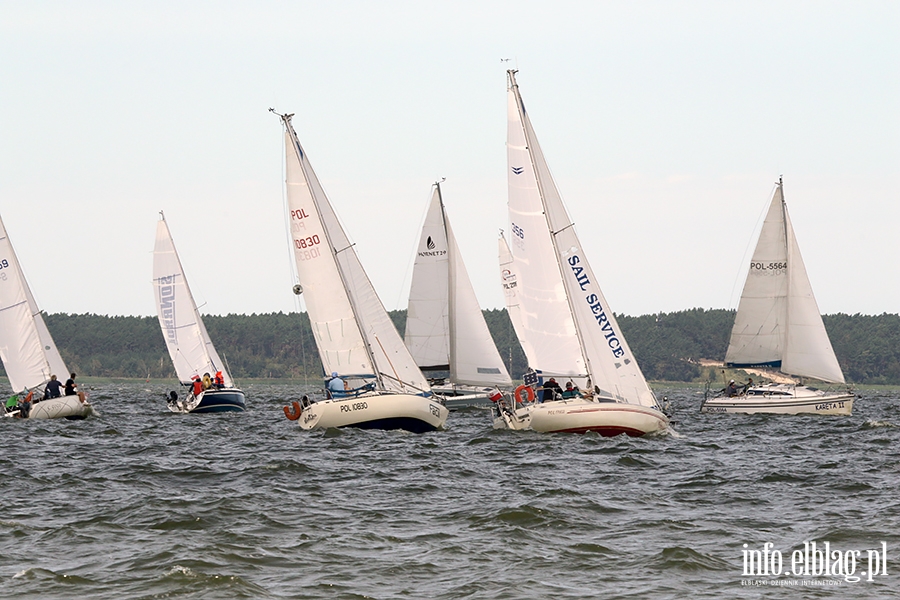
pixel 64 407
pixel 605 418
pixel 212 401
pixel 783 399
pixel 464 396
pixel 417 414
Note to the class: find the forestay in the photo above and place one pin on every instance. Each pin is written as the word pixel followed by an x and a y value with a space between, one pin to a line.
pixel 185 334
pixel 445 328
pixel 568 325
pixel 353 331
pixel 778 323
pixel 26 348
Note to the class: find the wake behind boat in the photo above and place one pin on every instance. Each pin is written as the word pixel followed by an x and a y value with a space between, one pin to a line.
pixel 375 382
pixel 29 353
pixel 445 328
pixel 561 317
pixel 778 326
pixel 210 388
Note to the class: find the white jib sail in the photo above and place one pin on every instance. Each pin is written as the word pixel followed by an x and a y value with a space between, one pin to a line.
pixel 535 201
pixel 186 338
pixel 353 332
pixel 29 355
pixel 445 326
pixel 778 323
pixel 509 281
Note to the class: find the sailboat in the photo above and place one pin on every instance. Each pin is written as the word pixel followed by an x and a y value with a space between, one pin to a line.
pixel 358 344
pixel 29 354
pixel 561 317
pixel 445 328
pixel 778 325
pixel 192 352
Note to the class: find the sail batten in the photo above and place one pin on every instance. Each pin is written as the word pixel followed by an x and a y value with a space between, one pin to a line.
pixel 778 322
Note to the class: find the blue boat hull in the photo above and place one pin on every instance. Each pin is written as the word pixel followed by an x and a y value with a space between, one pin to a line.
pixel 217 401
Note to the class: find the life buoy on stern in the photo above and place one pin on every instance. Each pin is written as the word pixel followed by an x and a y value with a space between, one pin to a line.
pixel 529 393
pixel 293 411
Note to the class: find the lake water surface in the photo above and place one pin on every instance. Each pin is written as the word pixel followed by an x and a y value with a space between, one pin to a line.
pixel 143 503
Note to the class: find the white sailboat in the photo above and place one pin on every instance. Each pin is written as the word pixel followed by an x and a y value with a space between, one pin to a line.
pixel 356 339
pixel 564 324
pixel 778 325
pixel 190 348
pixel 445 328
pixel 28 352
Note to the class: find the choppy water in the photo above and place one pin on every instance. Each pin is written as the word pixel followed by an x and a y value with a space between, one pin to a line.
pixel 142 503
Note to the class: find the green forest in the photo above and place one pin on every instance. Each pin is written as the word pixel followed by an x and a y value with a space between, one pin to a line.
pixel 668 346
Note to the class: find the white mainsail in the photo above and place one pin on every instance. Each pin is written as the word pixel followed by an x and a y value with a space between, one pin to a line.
pixel 568 328
pixel 186 338
pixel 29 355
pixel 445 328
pixel 778 323
pixel 353 332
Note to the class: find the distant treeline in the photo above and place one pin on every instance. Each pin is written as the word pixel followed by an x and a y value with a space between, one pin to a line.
pixel 668 346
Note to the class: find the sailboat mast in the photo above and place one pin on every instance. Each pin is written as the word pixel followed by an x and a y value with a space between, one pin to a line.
pixel 303 165
pixel 451 283
pixel 788 247
pixel 540 186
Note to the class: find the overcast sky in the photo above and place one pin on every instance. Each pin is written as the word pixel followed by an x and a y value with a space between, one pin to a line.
pixel 666 125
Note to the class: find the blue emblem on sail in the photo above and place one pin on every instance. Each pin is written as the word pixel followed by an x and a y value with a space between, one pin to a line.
pixel 518 170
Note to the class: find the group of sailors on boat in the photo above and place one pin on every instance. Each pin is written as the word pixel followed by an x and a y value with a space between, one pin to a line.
pixel 551 390
pixel 733 390
pixel 19 405
pixel 198 385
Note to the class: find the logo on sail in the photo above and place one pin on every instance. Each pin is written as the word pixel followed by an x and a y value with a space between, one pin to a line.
pixel 167 306
pixel 429 243
pixel 518 170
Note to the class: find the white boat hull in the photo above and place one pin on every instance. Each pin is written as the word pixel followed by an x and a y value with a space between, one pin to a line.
pixel 464 396
pixel 376 411
pixel 64 407
pixel 783 399
pixel 580 416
